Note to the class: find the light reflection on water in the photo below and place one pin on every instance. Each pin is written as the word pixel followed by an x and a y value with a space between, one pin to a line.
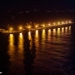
pixel 62 29
pixel 49 34
pixel 52 53
pixel 58 31
pixel 29 35
pixel 43 34
pixel 36 34
pixel 21 42
pixel 11 46
pixel 20 55
pixel 37 38
pixel 16 55
pixel 66 29
pixel 54 31
pixel 69 27
pixel 11 51
pixel 30 38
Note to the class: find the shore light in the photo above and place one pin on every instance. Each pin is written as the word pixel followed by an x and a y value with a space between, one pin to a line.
pixel 53 23
pixel 36 26
pixel 58 23
pixel 10 28
pixel 49 24
pixel 43 25
pixel 20 28
pixel 62 22
pixel 69 21
pixel 66 22
pixel 29 27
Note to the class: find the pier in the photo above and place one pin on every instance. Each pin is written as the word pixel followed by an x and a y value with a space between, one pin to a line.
pixel 22 29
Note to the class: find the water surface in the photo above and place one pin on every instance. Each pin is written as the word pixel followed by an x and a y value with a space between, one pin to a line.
pixel 49 52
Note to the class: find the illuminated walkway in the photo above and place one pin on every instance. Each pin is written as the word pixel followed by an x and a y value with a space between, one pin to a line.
pixel 38 27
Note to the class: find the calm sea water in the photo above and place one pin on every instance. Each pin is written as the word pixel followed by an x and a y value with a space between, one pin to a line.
pixel 47 53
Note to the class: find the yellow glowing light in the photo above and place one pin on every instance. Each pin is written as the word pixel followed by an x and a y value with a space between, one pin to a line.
pixel 69 27
pixel 66 22
pixel 62 22
pixel 29 35
pixel 49 30
pixel 62 29
pixel 53 23
pixel 36 35
pixel 29 27
pixel 66 28
pixel 36 26
pixel 11 35
pixel 20 44
pixel 43 25
pixel 49 34
pixel 20 27
pixel 21 35
pixel 11 29
pixel 69 21
pixel 58 23
pixel 11 39
pixel 36 31
pixel 54 30
pixel 58 31
pixel 49 24
pixel 43 34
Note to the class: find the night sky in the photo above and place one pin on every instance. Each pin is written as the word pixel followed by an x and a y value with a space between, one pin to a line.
pixel 37 4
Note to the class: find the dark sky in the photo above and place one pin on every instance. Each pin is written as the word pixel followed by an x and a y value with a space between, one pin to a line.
pixel 37 4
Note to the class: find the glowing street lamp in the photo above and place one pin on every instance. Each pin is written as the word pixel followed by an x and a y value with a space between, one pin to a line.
pixel 36 26
pixel 69 21
pixel 43 25
pixel 58 23
pixel 29 27
pixel 62 22
pixel 66 22
pixel 53 23
pixel 10 29
pixel 49 24
pixel 20 28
